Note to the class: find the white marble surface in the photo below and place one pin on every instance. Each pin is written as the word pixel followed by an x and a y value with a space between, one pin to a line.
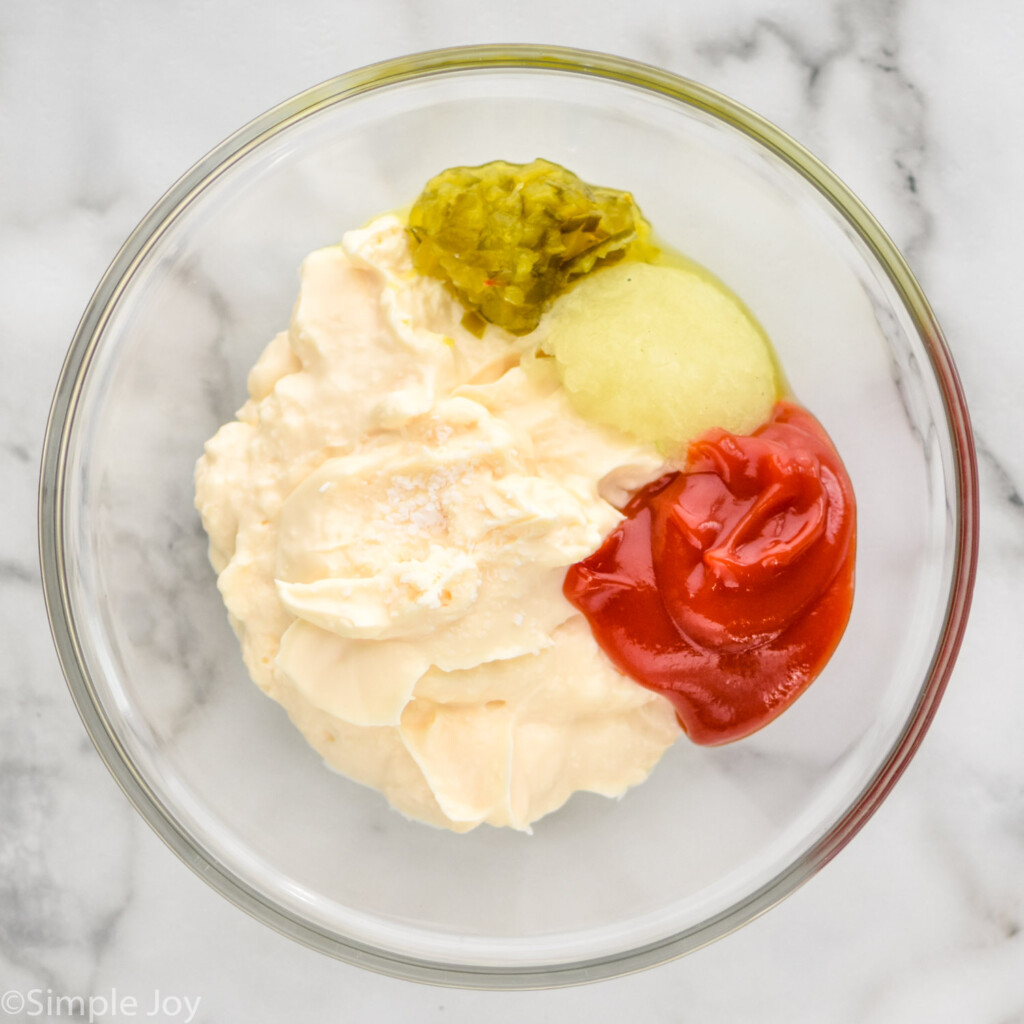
pixel 916 104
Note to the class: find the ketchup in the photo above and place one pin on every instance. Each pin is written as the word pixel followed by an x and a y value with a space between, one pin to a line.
pixel 728 585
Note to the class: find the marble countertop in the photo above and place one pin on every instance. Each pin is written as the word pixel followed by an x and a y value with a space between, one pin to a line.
pixel 103 105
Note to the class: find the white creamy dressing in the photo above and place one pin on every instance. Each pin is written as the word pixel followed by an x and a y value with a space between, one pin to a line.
pixel 391 517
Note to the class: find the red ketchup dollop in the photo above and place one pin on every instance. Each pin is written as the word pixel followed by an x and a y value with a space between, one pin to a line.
pixel 728 585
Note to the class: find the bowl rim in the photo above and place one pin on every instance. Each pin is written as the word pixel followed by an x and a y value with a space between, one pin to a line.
pixel 61 425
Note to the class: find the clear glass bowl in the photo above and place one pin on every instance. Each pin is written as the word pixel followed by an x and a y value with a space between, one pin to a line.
pixel 716 836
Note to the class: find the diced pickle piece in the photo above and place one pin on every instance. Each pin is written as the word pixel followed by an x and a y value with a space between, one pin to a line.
pixel 508 238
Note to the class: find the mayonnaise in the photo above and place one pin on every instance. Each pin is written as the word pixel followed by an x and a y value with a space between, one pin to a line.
pixel 391 517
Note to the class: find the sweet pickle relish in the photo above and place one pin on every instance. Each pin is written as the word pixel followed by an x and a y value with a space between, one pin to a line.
pixel 509 238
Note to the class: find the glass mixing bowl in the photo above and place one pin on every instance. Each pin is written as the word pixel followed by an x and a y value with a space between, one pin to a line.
pixel 715 836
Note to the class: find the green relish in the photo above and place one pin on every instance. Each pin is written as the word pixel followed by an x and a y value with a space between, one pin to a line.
pixel 507 239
